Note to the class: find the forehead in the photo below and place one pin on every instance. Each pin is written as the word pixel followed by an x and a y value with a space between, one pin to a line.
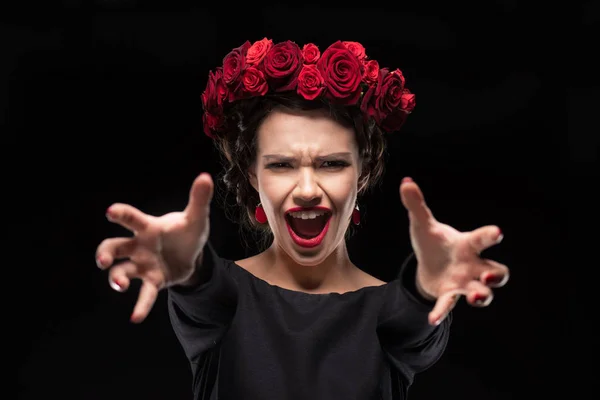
pixel 286 131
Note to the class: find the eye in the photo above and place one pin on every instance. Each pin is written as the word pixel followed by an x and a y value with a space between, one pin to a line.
pixel 335 164
pixel 278 165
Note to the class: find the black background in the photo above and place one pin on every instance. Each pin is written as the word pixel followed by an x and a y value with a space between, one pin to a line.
pixel 101 104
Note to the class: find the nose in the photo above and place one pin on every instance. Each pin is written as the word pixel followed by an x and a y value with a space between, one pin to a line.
pixel 307 191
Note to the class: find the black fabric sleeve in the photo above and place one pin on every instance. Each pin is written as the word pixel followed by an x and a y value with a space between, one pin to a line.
pixel 409 280
pixel 411 344
pixel 200 314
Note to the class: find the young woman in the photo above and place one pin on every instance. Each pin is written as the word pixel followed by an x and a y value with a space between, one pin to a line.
pixel 302 134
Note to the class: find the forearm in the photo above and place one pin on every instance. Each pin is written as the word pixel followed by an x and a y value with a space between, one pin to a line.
pixel 210 289
pixel 199 275
pixel 420 288
pixel 407 336
pixel 413 282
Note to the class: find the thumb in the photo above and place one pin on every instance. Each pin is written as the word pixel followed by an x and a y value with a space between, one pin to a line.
pixel 201 195
pixel 414 201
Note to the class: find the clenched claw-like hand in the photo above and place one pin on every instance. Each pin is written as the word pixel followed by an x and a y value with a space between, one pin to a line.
pixel 162 252
pixel 449 261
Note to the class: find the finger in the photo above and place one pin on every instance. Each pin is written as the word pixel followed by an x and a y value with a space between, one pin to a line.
pixel 121 274
pixel 146 299
pixel 444 304
pixel 495 274
pixel 128 217
pixel 414 201
pixel 113 248
pixel 478 294
pixel 485 237
pixel 200 197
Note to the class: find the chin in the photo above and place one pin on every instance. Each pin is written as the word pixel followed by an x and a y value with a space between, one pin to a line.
pixel 307 258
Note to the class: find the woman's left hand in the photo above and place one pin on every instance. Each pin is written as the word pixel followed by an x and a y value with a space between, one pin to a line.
pixel 449 262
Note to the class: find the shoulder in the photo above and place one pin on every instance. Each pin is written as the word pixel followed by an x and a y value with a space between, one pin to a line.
pixel 364 279
pixel 249 264
pixel 253 266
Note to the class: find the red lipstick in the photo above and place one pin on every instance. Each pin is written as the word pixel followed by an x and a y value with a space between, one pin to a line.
pixel 312 242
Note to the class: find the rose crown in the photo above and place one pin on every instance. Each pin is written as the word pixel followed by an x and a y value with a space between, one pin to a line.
pixel 342 74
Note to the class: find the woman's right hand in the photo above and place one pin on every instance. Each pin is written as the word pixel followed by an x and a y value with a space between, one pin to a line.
pixel 163 251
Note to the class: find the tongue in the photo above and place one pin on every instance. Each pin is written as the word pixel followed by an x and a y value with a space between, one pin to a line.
pixel 308 228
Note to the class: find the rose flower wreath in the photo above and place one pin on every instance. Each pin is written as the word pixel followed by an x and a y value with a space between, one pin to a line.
pixel 343 75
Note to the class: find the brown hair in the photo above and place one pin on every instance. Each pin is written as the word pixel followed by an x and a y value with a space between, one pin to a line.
pixel 237 146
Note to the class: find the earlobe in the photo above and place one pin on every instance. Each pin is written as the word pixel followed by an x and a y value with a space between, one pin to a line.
pixel 361 184
pixel 253 179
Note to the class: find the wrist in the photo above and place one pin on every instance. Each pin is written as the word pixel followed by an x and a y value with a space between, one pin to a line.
pixel 196 276
pixel 426 294
pixel 409 272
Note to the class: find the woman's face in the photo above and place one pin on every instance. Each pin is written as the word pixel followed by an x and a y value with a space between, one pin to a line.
pixel 306 172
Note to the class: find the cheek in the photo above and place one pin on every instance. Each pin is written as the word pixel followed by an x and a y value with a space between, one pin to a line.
pixel 273 190
pixel 342 189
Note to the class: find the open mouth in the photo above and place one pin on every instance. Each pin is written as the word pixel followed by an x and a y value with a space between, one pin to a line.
pixel 308 224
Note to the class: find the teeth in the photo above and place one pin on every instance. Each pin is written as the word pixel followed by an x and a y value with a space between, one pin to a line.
pixel 307 214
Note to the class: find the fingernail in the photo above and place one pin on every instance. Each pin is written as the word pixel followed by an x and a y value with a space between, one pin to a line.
pixel 500 237
pixel 99 262
pixel 479 299
pixel 493 279
pixel 407 179
pixel 115 285
pixel 109 213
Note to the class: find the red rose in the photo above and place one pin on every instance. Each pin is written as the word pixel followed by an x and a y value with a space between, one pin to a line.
pixel 384 98
pixel 310 53
pixel 254 82
pixel 211 123
pixel 215 93
pixel 258 50
pixel 394 121
pixel 213 98
pixel 281 66
pixel 357 49
pixel 392 88
pixel 342 73
pixel 233 65
pixel 310 82
pixel 371 74
pixel 407 103
pixel 367 104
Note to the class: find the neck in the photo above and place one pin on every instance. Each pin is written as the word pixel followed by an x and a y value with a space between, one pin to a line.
pixel 326 276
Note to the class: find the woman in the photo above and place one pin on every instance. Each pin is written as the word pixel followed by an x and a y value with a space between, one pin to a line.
pixel 302 134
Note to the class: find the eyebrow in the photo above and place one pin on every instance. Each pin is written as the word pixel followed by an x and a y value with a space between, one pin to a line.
pixel 282 157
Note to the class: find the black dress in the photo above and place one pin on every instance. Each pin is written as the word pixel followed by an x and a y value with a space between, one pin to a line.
pixel 247 339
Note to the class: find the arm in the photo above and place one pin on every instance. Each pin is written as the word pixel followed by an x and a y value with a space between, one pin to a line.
pixel 201 274
pixel 202 308
pixel 410 343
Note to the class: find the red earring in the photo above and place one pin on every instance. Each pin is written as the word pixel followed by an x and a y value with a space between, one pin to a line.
pixel 356 216
pixel 259 214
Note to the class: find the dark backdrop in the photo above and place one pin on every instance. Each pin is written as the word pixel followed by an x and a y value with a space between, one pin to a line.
pixel 101 104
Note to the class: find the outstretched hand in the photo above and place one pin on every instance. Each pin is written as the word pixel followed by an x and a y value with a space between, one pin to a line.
pixel 449 262
pixel 163 250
